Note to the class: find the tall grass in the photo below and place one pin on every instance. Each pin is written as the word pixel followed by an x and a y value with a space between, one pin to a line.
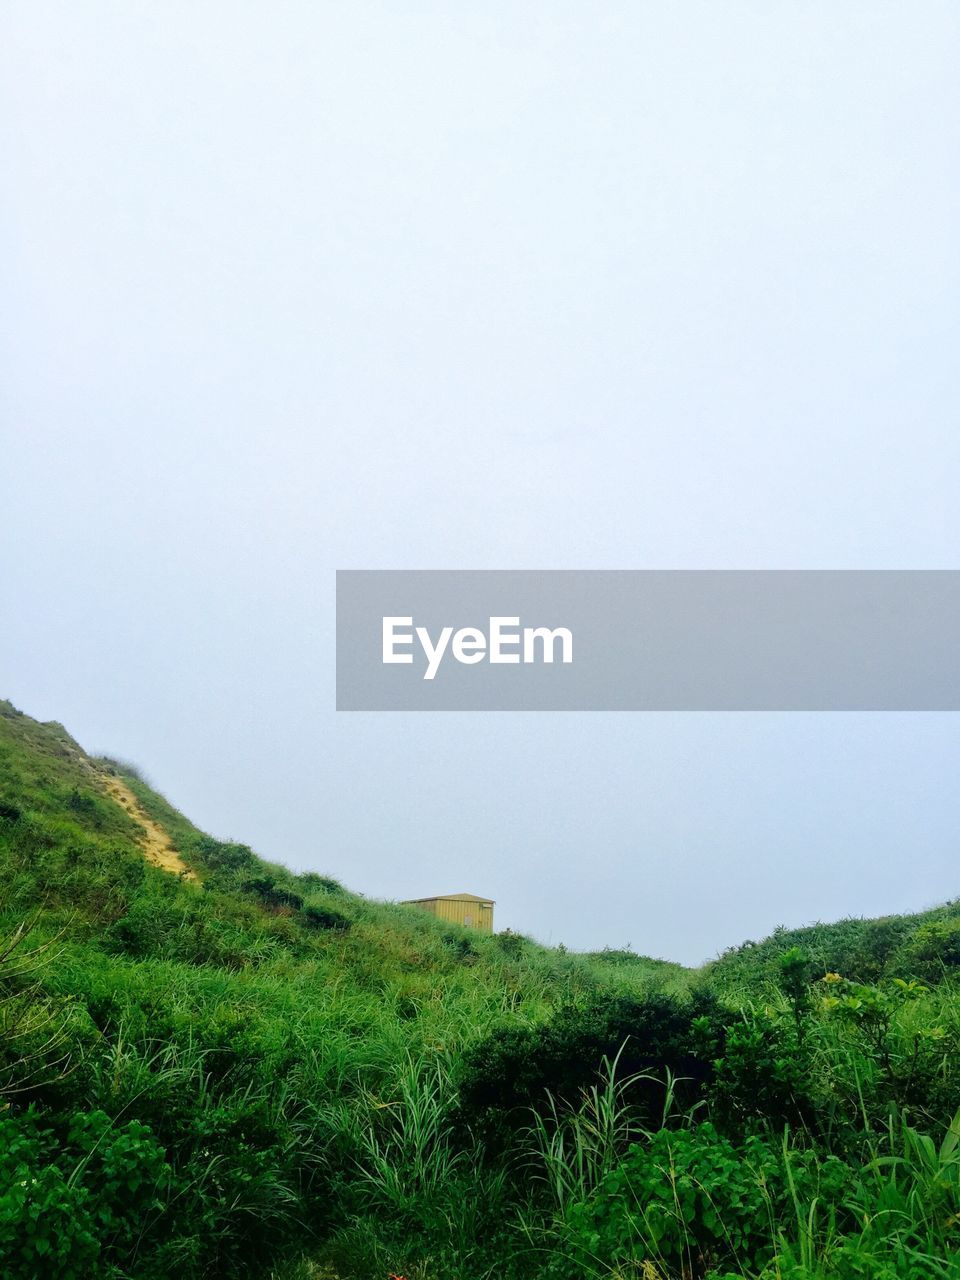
pixel 284 1063
pixel 575 1145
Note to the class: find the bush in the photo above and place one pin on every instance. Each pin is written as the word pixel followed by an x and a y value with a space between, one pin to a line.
pixel 460 946
pixel 692 1203
pixel 521 1067
pixel 932 950
pixel 687 1201
pixel 142 931
pixel 272 894
pixel 311 882
pixel 222 856
pixel 80 1207
pixel 762 1072
pixel 325 918
pixel 510 943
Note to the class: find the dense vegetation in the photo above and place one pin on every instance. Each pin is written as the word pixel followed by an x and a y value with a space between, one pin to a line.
pixel 251 1073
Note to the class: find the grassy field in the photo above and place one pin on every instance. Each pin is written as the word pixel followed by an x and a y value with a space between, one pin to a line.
pixel 236 1071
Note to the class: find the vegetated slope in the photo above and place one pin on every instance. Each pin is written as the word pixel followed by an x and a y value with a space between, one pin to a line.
pixel 924 945
pixel 156 843
pixel 212 1067
pixel 222 1030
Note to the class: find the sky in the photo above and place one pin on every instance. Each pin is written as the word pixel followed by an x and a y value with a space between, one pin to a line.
pixel 294 287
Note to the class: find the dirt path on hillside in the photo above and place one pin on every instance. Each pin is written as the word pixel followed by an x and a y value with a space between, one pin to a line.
pixel 156 843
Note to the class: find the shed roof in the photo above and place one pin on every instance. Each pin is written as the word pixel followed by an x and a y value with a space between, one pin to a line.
pixel 452 897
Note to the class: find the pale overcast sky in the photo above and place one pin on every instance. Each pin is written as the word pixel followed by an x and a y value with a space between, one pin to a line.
pixel 291 287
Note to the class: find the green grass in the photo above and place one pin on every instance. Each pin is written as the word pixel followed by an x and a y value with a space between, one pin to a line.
pixel 262 1074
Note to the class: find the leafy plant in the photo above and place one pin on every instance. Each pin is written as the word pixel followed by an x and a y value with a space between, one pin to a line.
pixel 685 1201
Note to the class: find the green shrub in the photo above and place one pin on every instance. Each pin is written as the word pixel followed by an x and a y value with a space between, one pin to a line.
pixel 932 950
pixel 83 1205
pixel 517 1068
pixel 312 882
pixel 460 946
pixel 693 1203
pixel 224 856
pixel 272 894
pixel 145 927
pixel 687 1201
pixel 325 918
pixel 46 1229
pixel 510 943
pixel 762 1071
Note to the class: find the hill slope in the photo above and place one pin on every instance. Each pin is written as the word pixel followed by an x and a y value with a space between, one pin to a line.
pixel 213 1067
pixel 236 1009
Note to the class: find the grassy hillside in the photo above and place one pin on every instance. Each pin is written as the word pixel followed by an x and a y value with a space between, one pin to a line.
pixel 924 945
pixel 212 1067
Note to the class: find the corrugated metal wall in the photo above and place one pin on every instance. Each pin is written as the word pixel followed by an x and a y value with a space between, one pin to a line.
pixel 474 915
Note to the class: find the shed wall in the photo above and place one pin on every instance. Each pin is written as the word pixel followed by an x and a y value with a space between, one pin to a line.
pixel 472 915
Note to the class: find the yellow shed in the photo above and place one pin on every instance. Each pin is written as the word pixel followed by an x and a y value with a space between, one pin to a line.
pixel 459 908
